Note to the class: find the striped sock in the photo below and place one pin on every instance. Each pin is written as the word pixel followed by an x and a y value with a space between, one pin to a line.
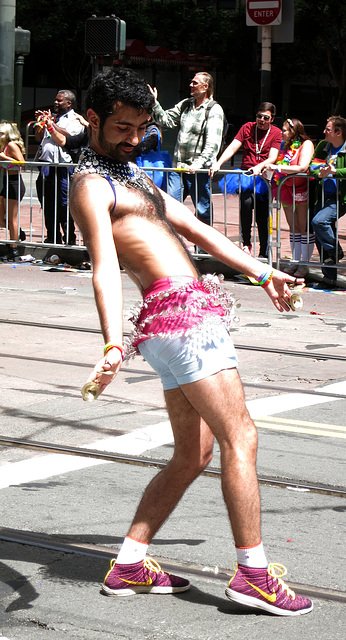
pixel 295 240
pixel 307 248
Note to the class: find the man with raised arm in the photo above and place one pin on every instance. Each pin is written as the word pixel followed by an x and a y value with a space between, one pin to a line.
pixel 200 122
pixel 181 330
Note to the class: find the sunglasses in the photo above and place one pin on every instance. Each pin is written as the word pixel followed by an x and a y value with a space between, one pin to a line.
pixel 259 116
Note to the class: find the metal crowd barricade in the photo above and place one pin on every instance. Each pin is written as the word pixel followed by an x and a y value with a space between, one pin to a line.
pixel 30 213
pixel 225 213
pixel 227 216
pixel 227 205
pixel 277 205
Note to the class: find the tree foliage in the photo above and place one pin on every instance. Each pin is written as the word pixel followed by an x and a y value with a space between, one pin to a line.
pixel 319 48
pixel 57 37
pixel 57 32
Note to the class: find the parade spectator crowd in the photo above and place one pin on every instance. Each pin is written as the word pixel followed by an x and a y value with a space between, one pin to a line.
pixel 312 203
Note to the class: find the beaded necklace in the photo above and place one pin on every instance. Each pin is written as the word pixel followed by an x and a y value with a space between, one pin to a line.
pixel 126 174
pixel 285 157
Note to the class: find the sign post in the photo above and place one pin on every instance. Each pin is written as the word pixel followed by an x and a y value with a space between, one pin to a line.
pixel 264 14
pixel 261 13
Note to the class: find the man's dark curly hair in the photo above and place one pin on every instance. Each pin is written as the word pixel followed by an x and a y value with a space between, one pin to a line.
pixel 117 85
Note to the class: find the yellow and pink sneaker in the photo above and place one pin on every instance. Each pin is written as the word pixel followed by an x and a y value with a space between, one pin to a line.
pixel 264 589
pixel 145 576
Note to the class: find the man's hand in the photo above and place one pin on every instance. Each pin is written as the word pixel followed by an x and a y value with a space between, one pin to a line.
pixel 106 369
pixel 328 170
pixel 279 291
pixel 153 91
pixel 81 119
pixel 40 114
pixel 214 169
pixel 257 170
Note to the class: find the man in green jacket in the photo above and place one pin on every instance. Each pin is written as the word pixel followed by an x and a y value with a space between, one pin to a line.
pixel 328 163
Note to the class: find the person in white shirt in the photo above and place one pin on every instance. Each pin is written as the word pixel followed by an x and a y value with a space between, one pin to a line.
pixel 52 182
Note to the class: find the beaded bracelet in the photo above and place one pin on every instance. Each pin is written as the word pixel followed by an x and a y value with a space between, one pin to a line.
pixel 110 346
pixel 265 278
pixel 50 129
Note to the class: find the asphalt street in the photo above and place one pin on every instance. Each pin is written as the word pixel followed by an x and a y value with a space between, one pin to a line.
pixel 73 511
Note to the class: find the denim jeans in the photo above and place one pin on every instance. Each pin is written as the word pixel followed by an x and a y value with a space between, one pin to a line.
pixel 55 191
pixel 324 226
pixel 180 185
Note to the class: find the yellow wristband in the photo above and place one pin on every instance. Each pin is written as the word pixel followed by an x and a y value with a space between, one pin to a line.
pixel 110 346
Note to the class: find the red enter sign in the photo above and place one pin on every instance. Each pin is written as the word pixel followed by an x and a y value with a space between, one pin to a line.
pixel 263 12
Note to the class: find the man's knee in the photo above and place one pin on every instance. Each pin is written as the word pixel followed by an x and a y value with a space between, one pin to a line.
pixel 319 223
pixel 242 439
pixel 192 462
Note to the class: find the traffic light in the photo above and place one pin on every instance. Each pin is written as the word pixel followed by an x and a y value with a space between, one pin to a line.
pixel 105 36
pixel 22 41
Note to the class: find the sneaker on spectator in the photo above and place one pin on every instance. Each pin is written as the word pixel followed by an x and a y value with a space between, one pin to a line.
pixel 326 284
pixel 247 249
pixel 331 257
pixel 145 576
pixel 264 589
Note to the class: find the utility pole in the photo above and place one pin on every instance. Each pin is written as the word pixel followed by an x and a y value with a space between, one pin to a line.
pixel 7 45
pixel 266 67
pixel 22 48
pixel 264 14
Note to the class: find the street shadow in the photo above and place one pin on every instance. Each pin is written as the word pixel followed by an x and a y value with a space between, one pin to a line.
pixel 83 570
pixel 19 585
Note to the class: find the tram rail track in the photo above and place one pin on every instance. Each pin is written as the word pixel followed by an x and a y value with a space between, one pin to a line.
pixel 286 352
pixel 256 385
pixel 143 461
pixel 217 574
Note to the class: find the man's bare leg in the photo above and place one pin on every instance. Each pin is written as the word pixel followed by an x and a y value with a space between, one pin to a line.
pixel 220 401
pixel 193 451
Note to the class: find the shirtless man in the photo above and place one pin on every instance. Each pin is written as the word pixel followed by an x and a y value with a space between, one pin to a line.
pixel 180 331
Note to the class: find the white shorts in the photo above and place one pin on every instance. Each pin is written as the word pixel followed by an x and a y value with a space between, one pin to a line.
pixel 183 359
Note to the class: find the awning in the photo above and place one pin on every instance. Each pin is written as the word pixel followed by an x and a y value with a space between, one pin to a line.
pixel 137 51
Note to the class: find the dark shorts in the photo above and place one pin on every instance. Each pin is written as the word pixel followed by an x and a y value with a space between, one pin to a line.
pixel 15 187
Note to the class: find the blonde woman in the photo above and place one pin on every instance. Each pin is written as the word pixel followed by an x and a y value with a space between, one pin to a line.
pixel 11 148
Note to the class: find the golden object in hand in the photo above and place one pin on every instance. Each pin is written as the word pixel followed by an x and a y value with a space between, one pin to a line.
pixel 90 391
pixel 296 302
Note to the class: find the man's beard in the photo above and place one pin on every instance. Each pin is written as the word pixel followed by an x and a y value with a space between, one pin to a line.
pixel 114 150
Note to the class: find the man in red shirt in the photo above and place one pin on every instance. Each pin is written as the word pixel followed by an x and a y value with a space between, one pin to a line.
pixel 261 143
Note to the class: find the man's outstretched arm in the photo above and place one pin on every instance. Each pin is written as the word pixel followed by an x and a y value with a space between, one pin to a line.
pixel 224 250
pixel 90 203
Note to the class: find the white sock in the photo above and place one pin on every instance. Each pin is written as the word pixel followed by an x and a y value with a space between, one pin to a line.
pixel 131 551
pixel 252 556
pixel 296 246
pixel 307 249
